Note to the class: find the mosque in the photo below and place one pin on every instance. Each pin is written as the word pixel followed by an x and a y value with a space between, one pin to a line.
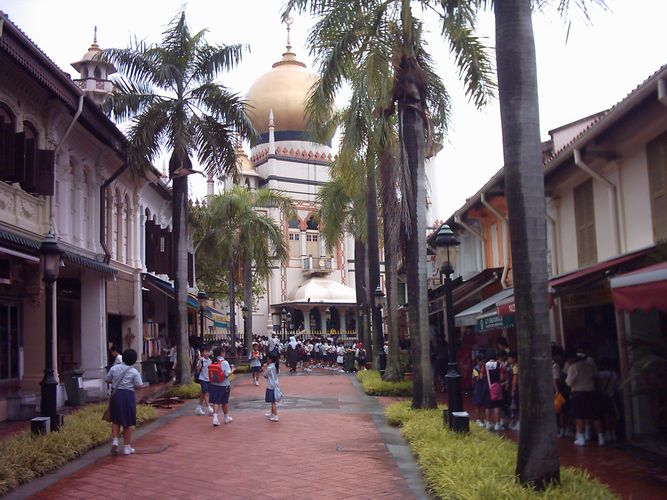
pixel 314 290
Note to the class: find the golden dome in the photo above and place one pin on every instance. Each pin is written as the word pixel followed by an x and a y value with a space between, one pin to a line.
pixel 284 90
pixel 89 56
pixel 243 163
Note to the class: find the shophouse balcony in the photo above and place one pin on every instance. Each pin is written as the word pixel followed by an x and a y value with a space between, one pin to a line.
pixel 316 265
pixel 23 210
pixel 94 84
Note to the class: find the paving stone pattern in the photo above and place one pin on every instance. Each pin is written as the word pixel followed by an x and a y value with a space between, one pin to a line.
pixel 326 445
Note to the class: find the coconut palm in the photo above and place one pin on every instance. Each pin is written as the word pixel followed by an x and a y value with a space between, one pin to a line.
pixel 235 228
pixel 350 34
pixel 169 92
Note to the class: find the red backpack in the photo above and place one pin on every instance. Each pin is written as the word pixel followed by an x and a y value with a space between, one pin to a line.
pixel 215 373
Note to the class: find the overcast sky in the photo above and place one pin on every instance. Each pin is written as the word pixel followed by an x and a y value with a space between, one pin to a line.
pixel 597 67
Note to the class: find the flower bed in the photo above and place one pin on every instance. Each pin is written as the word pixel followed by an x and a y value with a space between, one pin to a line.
pixel 25 457
pixel 373 385
pixel 478 465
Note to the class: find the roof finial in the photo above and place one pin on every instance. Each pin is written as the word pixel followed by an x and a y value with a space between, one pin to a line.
pixel 95 36
pixel 289 22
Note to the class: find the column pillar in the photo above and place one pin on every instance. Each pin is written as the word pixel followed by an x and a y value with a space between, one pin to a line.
pixel 93 326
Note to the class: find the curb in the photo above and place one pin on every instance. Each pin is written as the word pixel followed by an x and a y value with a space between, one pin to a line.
pixel 396 445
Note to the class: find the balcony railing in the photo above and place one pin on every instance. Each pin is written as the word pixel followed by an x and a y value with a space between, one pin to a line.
pixel 317 265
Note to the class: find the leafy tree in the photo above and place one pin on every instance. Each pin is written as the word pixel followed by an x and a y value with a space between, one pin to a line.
pixel 170 93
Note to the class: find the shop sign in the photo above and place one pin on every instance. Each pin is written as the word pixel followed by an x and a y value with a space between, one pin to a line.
pixel 432 269
pixel 494 322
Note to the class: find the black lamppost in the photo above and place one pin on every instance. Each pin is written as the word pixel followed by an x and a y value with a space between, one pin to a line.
pixel 457 419
pixel 202 298
pixel 51 255
pixel 244 313
pixel 283 317
pixel 327 318
pixel 379 303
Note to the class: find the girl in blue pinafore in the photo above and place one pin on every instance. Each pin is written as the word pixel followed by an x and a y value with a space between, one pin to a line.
pixel 123 379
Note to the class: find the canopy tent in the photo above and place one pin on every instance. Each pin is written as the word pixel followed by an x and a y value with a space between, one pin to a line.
pixel 641 290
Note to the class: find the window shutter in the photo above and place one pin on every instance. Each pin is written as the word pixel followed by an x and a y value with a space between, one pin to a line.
pixel 150 246
pixel 7 147
pixel 19 158
pixel 584 216
pixel 656 152
pixel 30 166
pixel 46 168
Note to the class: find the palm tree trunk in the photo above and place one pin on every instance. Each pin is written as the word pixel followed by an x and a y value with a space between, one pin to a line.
pixel 373 262
pixel 232 308
pixel 537 460
pixel 360 287
pixel 411 132
pixel 180 261
pixel 389 204
pixel 247 301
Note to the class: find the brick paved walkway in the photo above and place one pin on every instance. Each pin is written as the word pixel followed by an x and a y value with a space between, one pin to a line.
pixel 326 445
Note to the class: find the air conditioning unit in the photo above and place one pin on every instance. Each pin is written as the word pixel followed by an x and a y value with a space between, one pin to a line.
pixel 5 272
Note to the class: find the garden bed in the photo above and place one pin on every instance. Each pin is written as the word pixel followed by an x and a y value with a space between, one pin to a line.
pixel 373 385
pixel 479 465
pixel 24 456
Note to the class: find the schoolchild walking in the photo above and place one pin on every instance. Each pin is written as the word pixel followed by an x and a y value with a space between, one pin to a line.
pixel 273 393
pixel 219 385
pixel 514 391
pixel 201 377
pixel 255 363
pixel 123 378
pixel 478 384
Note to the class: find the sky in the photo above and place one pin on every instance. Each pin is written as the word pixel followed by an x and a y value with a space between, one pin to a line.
pixel 588 71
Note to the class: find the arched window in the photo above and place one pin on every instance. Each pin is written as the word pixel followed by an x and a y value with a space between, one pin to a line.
pixel 312 237
pixel 312 224
pixel 84 72
pixel 7 131
pixel 118 230
pixel 97 73
pixel 127 232
pixel 293 223
pixel 27 177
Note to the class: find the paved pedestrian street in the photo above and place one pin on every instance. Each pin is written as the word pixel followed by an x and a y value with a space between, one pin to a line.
pixel 330 443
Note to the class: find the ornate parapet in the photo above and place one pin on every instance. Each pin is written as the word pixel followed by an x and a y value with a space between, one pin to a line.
pixel 23 210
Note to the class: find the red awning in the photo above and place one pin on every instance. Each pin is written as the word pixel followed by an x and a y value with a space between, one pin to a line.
pixel 506 306
pixel 593 271
pixel 641 290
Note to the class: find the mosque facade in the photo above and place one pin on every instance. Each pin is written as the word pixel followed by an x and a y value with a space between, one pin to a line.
pixel 313 292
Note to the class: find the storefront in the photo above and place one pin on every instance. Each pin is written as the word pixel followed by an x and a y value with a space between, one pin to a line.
pixel 480 327
pixel 640 299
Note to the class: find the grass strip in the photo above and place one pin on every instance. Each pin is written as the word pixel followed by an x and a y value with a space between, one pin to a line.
pixel 479 465
pixel 24 456
pixel 373 385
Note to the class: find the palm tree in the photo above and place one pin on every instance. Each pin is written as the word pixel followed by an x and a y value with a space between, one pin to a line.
pixel 343 211
pixel 170 94
pixel 349 34
pixel 537 459
pixel 234 229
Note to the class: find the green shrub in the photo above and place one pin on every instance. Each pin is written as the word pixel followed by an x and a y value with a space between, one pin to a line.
pixel 373 385
pixel 25 457
pixel 184 391
pixel 479 465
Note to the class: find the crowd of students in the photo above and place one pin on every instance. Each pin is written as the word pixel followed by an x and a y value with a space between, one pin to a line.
pixel 585 394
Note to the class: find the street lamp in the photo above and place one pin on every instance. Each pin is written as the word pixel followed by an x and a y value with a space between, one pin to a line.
pixel 202 298
pixel 457 419
pixel 379 303
pixel 283 316
pixel 51 257
pixel 244 313
pixel 327 318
